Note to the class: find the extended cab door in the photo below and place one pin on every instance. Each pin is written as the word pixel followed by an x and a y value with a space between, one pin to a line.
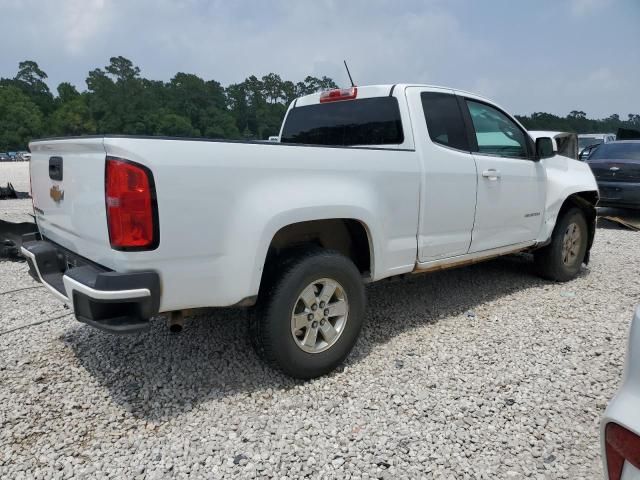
pixel 449 177
pixel 511 183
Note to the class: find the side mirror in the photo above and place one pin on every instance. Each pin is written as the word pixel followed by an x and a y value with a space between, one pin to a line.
pixel 544 148
pixel 586 153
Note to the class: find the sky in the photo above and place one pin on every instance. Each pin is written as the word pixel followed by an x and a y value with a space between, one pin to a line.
pixel 527 55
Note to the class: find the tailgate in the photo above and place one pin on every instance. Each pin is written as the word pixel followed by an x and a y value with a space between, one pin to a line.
pixel 67 185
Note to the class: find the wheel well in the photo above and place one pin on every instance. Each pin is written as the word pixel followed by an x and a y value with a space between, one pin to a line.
pixel 347 236
pixel 585 201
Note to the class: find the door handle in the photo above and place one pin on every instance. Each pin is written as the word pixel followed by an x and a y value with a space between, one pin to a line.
pixel 492 174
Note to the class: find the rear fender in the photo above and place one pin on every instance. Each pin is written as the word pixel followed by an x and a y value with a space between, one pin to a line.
pixel 283 215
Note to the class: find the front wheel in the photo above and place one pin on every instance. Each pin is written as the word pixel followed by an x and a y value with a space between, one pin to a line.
pixel 310 314
pixel 562 259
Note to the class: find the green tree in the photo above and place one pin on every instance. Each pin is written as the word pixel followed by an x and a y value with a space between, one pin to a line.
pixel 66 93
pixel 314 84
pixel 203 103
pixel 117 98
pixel 20 119
pixel 122 69
pixel 31 74
pixel 31 80
pixel 239 106
pixel 170 124
pixel 577 114
pixel 73 117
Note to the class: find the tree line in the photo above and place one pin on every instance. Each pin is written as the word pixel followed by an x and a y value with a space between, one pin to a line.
pixel 119 100
pixel 578 122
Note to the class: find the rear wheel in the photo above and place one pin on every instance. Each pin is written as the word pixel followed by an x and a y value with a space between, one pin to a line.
pixel 562 259
pixel 310 314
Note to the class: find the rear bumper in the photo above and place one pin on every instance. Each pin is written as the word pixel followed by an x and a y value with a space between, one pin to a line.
pixel 619 194
pixel 111 301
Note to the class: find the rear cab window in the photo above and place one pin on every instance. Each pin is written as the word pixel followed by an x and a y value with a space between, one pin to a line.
pixel 373 121
pixel 444 120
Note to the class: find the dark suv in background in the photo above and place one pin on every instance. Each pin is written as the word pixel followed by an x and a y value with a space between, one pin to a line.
pixel 616 166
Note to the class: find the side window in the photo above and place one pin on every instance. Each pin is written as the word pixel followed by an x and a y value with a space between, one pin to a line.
pixel 444 120
pixel 497 134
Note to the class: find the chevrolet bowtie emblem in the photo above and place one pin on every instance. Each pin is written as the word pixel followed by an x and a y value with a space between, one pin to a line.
pixel 614 169
pixel 56 194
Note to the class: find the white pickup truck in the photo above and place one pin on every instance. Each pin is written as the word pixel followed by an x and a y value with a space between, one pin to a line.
pixel 365 183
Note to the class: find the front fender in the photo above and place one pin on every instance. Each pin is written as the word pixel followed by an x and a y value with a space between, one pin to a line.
pixel 565 177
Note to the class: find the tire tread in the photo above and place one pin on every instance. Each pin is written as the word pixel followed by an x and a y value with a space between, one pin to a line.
pixel 273 291
pixel 547 260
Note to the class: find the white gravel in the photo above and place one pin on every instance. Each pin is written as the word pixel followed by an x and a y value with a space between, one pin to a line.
pixel 18 174
pixel 481 372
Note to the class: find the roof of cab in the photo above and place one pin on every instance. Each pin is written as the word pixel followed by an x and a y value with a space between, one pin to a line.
pixel 370 91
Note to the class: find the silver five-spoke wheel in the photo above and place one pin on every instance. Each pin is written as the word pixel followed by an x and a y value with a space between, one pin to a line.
pixel 571 244
pixel 319 315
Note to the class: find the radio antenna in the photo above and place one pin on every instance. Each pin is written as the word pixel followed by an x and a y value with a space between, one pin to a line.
pixel 349 73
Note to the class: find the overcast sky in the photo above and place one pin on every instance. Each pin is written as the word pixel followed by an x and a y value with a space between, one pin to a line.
pixel 535 55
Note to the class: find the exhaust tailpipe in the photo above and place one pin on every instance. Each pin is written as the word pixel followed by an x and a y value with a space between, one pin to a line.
pixel 176 321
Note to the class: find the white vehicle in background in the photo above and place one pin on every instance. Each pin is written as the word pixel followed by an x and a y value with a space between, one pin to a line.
pixel 365 183
pixel 564 143
pixel 588 141
pixel 620 426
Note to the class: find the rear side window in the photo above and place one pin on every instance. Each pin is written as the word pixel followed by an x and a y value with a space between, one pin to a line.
pixel 369 121
pixel 444 120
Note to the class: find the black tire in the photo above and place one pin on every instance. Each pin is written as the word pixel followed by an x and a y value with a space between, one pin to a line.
pixel 550 262
pixel 271 329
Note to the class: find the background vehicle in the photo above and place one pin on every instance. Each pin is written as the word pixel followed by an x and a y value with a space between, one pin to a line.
pixel 4 157
pixel 616 166
pixel 564 143
pixel 366 183
pixel 587 140
pixel 620 425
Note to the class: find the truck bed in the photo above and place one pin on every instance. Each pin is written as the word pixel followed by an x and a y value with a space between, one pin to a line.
pixel 220 203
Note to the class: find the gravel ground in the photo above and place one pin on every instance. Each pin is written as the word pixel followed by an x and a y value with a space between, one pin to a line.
pixel 18 174
pixel 480 372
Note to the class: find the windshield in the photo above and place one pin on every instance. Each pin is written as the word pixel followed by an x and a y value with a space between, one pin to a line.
pixel 586 141
pixel 369 121
pixel 617 151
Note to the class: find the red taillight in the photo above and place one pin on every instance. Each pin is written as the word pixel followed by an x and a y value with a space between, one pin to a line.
pixel 131 206
pixel 339 94
pixel 621 446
